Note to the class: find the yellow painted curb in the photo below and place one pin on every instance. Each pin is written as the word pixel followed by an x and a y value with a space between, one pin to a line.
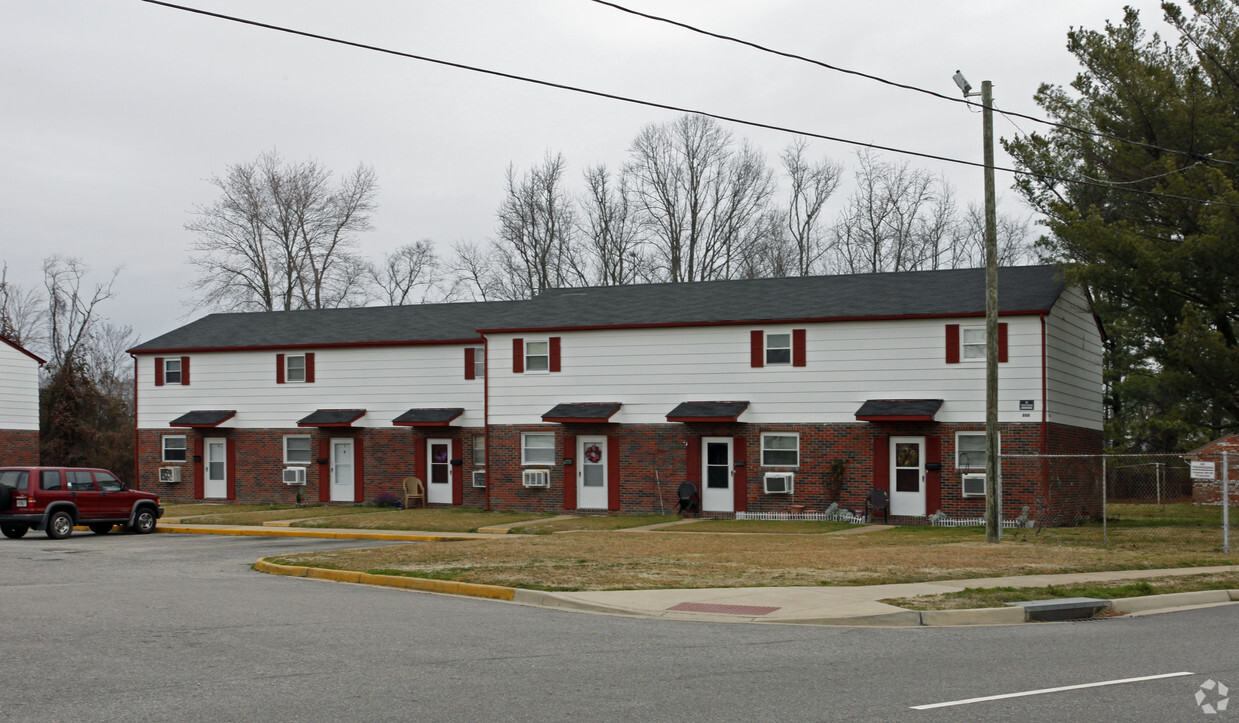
pixel 450 587
pixel 305 532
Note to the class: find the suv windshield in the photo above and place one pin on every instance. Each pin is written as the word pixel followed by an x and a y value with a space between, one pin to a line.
pixel 18 479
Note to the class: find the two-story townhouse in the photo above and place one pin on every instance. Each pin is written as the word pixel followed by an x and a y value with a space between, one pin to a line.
pixel 341 403
pixel 763 393
pixel 19 404
pixel 769 392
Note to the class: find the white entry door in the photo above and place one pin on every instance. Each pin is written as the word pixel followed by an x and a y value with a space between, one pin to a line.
pixel 215 470
pixel 343 478
pixel 591 473
pixel 439 469
pixel 717 473
pixel 908 476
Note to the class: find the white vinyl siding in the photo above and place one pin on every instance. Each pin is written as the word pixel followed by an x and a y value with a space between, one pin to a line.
pixel 1073 364
pixel 19 389
pixel 384 381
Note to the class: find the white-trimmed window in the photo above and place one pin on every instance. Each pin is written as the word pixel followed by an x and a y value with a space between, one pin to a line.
pixel 537 356
pixel 779 348
pixel 297 449
pixel 294 368
pixel 972 343
pixel 780 449
pixel 479 363
pixel 479 450
pixel 171 371
pixel 174 448
pixel 538 448
pixel 970 450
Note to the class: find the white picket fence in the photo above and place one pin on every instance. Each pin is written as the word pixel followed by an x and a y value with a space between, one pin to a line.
pixel 837 516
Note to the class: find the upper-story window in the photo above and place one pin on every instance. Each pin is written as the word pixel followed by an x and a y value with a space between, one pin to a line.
pixel 535 355
pixel 968 343
pixel 294 368
pixel 778 348
pixel 171 371
pixel 475 363
pixel 972 340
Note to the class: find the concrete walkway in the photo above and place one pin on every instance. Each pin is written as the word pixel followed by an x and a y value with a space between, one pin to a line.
pixel 819 605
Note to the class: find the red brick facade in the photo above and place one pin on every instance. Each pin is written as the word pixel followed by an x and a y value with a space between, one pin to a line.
pixel 1209 492
pixel 19 447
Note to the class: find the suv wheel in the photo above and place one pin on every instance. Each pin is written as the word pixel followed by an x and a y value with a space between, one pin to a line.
pixel 59 525
pixel 143 521
pixel 14 531
pixel 101 528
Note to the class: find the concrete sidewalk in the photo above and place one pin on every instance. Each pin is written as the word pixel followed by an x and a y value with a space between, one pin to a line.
pixel 819 605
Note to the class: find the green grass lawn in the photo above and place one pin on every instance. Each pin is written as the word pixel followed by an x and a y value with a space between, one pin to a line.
pixel 456 519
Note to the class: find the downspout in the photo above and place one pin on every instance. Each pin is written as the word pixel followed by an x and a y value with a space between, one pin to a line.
pixel 1045 425
pixel 486 415
pixel 136 446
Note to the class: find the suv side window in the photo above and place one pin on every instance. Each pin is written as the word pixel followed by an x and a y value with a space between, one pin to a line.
pixel 80 480
pixel 15 478
pixel 49 479
pixel 107 483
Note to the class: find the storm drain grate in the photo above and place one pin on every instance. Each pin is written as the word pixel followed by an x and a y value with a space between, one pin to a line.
pixel 690 607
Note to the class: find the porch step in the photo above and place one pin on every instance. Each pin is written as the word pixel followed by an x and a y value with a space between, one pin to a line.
pixel 1067 608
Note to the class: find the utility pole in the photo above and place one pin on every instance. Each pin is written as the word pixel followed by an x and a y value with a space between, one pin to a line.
pixel 993 486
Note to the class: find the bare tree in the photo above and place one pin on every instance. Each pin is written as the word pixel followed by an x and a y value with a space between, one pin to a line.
pixel 23 314
pixel 536 227
pixel 472 269
pixel 611 229
pixel 811 185
pixel 410 274
pixel 71 310
pixel 701 199
pixel 281 236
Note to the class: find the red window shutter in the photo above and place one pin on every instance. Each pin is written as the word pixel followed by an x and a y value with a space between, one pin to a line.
pixel 692 466
pixel 230 448
pixel 359 467
pixel 933 478
pixel 518 356
pixel 882 462
pixel 554 345
pixel 739 481
pixel 613 473
pixel 757 348
pixel 1002 342
pixel 798 343
pixel 309 371
pixel 458 472
pixel 952 343
pixel 159 374
pixel 570 472
pixel 184 371
pixel 199 487
pixel 469 351
pixel 324 470
pixel 279 368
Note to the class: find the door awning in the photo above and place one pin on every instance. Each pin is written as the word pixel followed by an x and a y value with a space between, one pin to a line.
pixel 707 411
pixel 203 418
pixel 428 417
pixel 332 418
pixel 899 410
pixel 581 412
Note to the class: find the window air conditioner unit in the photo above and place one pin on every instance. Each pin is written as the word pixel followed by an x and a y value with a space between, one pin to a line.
pixel 294 475
pixel 974 485
pixel 169 474
pixel 536 477
pixel 479 478
pixel 779 483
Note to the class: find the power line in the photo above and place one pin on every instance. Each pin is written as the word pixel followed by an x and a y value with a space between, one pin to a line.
pixel 665 106
pixel 731 39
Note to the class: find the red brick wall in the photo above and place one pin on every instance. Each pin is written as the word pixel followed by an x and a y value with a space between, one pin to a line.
pixel 19 447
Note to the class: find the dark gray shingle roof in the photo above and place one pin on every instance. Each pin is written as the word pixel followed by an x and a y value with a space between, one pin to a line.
pixel 957 292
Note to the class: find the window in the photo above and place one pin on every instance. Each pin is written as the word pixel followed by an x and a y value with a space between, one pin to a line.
pixel 538 448
pixel 479 364
pixel 49 479
pixel 479 450
pixel 174 449
pixel 970 450
pixel 537 356
pixel 19 479
pixel 778 348
pixel 973 340
pixel 80 480
pixel 107 482
pixel 294 368
pixel 780 450
pixel 297 449
pixel 171 371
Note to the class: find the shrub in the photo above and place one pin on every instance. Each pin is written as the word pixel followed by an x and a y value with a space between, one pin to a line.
pixel 387 499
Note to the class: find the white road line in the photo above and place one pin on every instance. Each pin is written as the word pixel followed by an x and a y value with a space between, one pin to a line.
pixel 1048 690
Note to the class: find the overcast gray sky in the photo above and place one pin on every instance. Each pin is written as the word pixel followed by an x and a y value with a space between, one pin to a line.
pixel 115 112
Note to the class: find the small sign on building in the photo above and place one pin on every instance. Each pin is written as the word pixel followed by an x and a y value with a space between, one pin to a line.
pixel 1204 470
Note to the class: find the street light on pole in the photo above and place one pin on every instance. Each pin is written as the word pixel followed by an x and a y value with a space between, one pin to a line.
pixel 993 486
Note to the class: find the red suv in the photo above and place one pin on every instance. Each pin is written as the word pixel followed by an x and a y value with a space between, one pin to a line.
pixel 54 499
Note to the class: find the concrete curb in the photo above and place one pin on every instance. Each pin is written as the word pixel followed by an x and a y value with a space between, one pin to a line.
pixel 449 587
pixel 1174 601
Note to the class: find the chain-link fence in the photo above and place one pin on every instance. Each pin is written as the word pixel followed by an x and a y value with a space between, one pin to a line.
pixel 1122 501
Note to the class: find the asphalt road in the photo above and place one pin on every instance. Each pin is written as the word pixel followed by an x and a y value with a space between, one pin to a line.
pixel 177 627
